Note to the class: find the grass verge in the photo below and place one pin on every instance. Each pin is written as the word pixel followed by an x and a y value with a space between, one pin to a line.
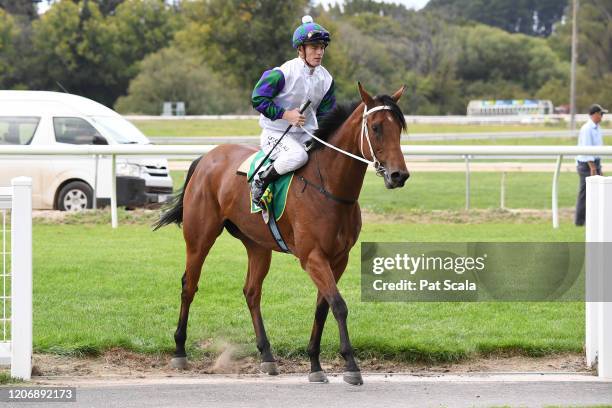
pixel 96 288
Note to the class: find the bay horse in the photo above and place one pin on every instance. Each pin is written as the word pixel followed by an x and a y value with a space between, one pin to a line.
pixel 320 225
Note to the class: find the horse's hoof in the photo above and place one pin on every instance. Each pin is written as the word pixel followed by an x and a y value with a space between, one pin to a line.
pixel 179 363
pixel 318 377
pixel 269 367
pixel 353 377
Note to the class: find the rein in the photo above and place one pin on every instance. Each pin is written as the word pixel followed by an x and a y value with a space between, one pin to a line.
pixel 364 135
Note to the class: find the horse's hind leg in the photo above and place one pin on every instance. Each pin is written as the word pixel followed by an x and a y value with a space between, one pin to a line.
pixel 259 265
pixel 198 244
pixel 317 375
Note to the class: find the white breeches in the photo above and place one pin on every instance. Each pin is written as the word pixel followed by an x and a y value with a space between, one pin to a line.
pixel 289 155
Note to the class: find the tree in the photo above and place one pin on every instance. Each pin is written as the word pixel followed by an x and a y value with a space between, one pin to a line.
pixel 356 7
pixel 491 54
pixel 106 7
pixel 241 38
pixel 191 81
pixel 140 27
pixel 532 17
pixel 594 37
pixel 8 32
pixel 25 8
pixel 93 55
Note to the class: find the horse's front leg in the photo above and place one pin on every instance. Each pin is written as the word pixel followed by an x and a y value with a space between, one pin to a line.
pixel 317 375
pixel 318 267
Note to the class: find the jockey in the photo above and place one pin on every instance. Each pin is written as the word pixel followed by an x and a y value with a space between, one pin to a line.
pixel 278 96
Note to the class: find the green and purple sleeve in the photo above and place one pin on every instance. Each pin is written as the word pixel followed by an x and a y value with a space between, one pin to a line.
pixel 328 102
pixel 269 85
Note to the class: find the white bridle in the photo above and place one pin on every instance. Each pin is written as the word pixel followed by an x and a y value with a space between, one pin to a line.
pixel 364 135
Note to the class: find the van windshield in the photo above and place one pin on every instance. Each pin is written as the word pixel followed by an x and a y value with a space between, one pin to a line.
pixel 120 130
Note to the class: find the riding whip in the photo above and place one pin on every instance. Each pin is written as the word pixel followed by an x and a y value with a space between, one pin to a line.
pixel 302 109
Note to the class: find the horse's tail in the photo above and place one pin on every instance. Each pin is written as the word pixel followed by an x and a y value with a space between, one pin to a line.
pixel 173 213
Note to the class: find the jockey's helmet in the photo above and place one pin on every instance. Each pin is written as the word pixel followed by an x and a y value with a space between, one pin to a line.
pixel 310 32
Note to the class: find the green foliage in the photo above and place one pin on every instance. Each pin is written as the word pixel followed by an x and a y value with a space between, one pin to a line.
pixel 526 60
pixel 515 16
pixel 96 47
pixel 175 75
pixel 8 32
pixel 93 55
pixel 594 52
pixel 107 6
pixel 23 8
pixel 242 38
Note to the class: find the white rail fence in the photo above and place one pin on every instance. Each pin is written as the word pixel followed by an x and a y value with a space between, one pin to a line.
pixel 410 137
pixel 446 119
pixel 16 277
pixel 465 152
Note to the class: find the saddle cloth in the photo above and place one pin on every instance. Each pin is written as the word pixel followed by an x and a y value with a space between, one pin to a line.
pixel 275 196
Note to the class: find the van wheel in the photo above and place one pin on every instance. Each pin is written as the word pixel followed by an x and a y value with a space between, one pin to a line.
pixel 75 196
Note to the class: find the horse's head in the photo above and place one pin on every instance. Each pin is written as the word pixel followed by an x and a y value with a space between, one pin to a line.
pixel 382 126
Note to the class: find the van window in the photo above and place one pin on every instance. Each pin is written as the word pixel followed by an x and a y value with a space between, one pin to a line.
pixel 76 131
pixel 17 130
pixel 120 129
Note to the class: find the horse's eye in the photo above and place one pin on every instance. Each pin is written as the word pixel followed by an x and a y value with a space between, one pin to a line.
pixel 376 128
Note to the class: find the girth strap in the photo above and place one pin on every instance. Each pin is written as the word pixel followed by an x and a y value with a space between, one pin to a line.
pixel 323 191
pixel 276 234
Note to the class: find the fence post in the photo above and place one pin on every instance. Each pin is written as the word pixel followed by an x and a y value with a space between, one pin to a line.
pixel 598 281
pixel 21 275
pixel 114 222
pixel 555 193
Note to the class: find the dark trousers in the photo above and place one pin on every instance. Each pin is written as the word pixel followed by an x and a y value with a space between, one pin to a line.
pixel 583 172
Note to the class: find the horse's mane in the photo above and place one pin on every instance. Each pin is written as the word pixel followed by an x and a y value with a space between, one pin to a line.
pixel 331 122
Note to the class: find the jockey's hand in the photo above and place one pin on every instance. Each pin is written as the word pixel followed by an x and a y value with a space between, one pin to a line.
pixel 294 117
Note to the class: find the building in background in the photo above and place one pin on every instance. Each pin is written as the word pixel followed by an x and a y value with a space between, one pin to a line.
pixel 510 107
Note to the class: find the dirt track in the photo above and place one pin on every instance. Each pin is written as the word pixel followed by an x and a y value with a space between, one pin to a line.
pixel 118 362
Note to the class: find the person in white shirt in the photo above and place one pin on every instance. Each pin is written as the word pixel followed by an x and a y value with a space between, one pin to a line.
pixel 278 96
pixel 590 135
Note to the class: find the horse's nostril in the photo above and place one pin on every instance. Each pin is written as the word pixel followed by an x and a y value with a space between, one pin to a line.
pixel 399 176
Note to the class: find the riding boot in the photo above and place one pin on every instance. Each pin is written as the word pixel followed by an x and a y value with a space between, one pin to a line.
pixel 261 182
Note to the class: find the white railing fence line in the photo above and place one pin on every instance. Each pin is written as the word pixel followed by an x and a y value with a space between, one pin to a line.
pixel 18 350
pixel 465 152
pixel 426 119
pixel 598 312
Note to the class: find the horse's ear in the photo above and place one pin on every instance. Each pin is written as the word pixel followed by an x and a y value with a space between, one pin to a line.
pixel 365 96
pixel 398 94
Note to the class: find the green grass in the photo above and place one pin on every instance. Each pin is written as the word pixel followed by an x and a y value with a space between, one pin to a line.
pixel 97 288
pixel 5 378
pixel 249 127
pixel 438 191
pixel 532 141
pixel 184 128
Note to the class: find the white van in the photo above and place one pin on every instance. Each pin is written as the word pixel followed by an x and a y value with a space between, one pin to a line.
pixel 67 182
